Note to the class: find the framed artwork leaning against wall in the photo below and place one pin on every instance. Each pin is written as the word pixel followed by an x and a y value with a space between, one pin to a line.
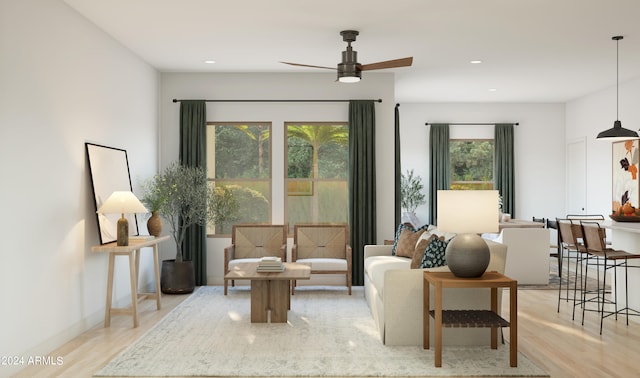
pixel 625 184
pixel 109 170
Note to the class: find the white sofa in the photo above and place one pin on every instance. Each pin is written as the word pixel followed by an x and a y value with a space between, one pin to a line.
pixel 394 294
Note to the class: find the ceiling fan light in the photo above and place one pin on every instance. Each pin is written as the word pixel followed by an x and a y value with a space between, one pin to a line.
pixel 348 79
pixel 617 132
pixel 348 73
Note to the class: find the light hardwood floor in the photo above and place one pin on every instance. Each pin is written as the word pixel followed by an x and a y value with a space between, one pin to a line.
pixel 560 346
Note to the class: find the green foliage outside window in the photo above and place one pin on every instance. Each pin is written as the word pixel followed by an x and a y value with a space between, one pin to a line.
pixel 471 164
pixel 242 151
pixel 239 159
pixel 317 166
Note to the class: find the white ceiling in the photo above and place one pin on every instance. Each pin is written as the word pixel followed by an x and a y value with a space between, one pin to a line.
pixel 532 50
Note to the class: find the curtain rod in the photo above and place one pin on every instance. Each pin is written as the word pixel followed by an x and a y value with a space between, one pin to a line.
pixel 176 100
pixel 471 124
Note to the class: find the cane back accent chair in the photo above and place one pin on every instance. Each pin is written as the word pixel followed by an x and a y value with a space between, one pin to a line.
pixel 325 247
pixel 250 242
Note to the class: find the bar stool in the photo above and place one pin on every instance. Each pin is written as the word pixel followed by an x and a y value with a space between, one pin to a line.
pixel 571 247
pixel 554 249
pixel 595 242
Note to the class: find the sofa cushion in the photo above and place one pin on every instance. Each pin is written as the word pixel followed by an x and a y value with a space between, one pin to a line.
pixel 235 262
pixel 376 266
pixel 434 254
pixel 324 263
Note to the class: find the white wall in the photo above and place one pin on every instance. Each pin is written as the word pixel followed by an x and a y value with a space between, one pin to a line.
pixel 589 115
pixel 62 83
pixel 280 86
pixel 539 147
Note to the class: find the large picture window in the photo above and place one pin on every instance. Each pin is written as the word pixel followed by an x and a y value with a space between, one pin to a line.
pixel 317 156
pixel 471 164
pixel 239 158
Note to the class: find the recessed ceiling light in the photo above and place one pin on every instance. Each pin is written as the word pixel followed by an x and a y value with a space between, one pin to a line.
pixel 477 61
pixel 492 90
pixel 210 61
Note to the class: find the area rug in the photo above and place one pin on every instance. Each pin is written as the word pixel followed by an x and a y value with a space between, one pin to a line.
pixel 328 333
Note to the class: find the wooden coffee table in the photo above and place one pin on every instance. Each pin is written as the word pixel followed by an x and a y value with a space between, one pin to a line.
pixel 269 291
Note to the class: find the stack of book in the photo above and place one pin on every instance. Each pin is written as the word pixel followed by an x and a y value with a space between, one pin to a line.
pixel 270 264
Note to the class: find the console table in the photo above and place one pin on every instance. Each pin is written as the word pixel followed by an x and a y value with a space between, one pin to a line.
pixel 133 252
pixel 470 318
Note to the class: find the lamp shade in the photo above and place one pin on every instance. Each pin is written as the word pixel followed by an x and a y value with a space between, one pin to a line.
pixel 617 132
pixel 121 202
pixel 468 211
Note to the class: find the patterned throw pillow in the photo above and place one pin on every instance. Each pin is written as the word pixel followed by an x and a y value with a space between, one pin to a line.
pixel 434 255
pixel 402 240
pixel 421 247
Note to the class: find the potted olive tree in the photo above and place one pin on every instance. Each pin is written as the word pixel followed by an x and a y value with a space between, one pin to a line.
pixel 187 200
pixel 411 196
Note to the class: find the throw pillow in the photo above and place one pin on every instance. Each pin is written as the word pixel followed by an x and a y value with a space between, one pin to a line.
pixel 421 247
pixel 407 242
pixel 434 254
pixel 403 227
pixel 443 235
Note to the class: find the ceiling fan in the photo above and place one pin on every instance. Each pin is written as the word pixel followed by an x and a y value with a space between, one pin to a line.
pixel 349 69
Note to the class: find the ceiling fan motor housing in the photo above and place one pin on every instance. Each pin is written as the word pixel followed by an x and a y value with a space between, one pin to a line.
pixel 349 65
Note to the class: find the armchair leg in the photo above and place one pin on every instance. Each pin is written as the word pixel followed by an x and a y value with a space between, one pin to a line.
pixel 226 284
pixel 293 286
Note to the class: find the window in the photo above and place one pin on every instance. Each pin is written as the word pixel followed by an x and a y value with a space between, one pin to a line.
pixel 317 156
pixel 239 158
pixel 471 164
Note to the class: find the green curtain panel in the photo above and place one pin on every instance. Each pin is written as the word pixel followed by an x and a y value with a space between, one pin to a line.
pixel 193 150
pixel 504 180
pixel 398 170
pixel 362 182
pixel 439 166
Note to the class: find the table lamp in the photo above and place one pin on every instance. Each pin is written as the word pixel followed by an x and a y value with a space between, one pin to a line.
pixel 121 202
pixel 468 213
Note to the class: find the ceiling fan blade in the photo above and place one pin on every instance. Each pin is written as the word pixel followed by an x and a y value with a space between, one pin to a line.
pixel 307 65
pixel 403 62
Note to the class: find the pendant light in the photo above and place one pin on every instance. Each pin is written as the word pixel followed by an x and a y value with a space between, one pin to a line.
pixel 617 132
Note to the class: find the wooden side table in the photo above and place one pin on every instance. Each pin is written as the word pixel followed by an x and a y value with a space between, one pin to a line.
pixel 470 318
pixel 133 252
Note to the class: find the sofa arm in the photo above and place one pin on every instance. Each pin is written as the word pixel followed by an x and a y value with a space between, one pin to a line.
pixel 377 250
pixel 403 306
